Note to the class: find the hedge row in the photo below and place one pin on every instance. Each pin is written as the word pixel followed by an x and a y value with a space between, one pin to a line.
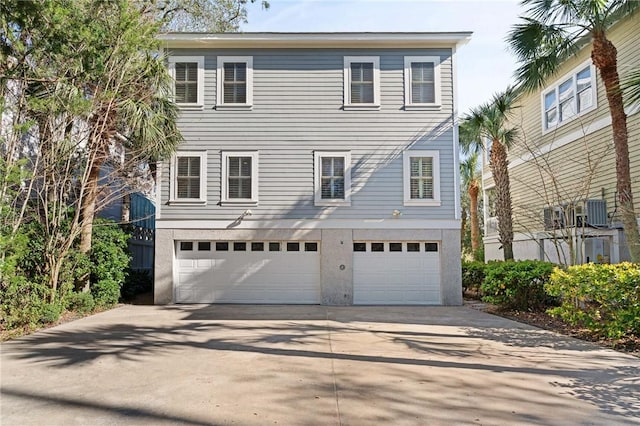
pixel 602 298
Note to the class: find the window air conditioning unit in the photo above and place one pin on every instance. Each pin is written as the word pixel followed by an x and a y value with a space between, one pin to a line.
pixel 589 213
pixel 596 213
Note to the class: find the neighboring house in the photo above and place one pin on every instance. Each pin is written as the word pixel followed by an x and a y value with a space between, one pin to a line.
pixel 317 168
pixel 562 167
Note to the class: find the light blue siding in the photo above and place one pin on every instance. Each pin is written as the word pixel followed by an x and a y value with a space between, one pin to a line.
pixel 297 109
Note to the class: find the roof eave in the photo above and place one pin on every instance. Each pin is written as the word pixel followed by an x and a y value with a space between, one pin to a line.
pixel 301 40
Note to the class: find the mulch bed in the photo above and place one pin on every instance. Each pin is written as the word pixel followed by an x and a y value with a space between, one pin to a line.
pixel 630 345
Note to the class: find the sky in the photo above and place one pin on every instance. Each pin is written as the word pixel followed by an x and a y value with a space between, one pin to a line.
pixel 484 65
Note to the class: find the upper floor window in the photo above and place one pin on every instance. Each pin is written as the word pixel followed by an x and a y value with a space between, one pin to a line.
pixel 240 177
pixel 235 81
pixel 573 95
pixel 362 81
pixel 189 177
pixel 188 75
pixel 421 178
pixel 422 81
pixel 332 178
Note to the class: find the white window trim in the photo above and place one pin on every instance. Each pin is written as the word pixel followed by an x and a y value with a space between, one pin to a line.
pixel 317 178
pixel 375 60
pixel 224 199
pixel 485 201
pixel 172 61
pixel 486 154
pixel 219 82
pixel 554 88
pixel 408 103
pixel 173 175
pixel 406 157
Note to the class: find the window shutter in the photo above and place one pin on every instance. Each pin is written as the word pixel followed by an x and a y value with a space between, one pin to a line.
pixel 188 177
pixel 332 178
pixel 361 83
pixel 421 177
pixel 423 82
pixel 235 83
pixel 186 82
pixel 239 177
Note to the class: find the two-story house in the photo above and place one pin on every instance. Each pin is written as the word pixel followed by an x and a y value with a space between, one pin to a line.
pixel 562 166
pixel 317 168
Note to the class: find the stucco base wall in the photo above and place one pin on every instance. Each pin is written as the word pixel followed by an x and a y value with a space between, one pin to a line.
pixel 450 269
pixel 336 267
pixel 163 267
pixel 336 256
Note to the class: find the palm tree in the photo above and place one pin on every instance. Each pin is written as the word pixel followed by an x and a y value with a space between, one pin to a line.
pixel 554 30
pixel 471 181
pixel 490 122
pixel 139 117
pixel 132 108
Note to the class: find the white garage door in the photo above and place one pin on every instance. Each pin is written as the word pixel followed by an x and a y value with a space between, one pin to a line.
pixel 396 273
pixel 247 272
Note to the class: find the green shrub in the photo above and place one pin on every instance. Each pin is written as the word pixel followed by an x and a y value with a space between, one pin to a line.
pixel 137 282
pixel 23 302
pixel 603 298
pixel 472 275
pixel 24 293
pixel 517 285
pixel 50 312
pixel 109 262
pixel 81 302
pixel 106 293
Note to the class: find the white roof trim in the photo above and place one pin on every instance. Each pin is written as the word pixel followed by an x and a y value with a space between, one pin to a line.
pixel 249 40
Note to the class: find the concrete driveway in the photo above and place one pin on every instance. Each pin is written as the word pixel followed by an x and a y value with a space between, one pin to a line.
pixel 311 365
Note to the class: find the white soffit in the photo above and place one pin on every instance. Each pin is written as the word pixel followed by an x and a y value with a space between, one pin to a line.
pixel 317 40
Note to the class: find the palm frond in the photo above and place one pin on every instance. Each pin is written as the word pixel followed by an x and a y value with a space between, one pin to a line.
pixel 489 121
pixel 617 10
pixel 554 30
pixel 540 49
pixel 470 169
pixel 470 140
pixel 631 87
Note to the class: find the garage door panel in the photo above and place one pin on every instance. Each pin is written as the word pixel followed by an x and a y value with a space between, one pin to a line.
pixel 248 277
pixel 396 278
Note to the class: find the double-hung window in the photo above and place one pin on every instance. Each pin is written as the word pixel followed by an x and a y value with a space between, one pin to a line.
pixel 421 81
pixel 572 96
pixel 332 178
pixel 235 81
pixel 421 178
pixel 188 177
pixel 240 177
pixel 361 81
pixel 188 76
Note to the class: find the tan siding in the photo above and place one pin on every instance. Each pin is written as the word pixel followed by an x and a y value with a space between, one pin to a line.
pixel 569 164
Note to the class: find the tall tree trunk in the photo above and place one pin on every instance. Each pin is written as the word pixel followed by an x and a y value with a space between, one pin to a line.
pixel 463 226
pixel 89 207
pixel 473 213
pixel 499 169
pixel 103 129
pixel 604 57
